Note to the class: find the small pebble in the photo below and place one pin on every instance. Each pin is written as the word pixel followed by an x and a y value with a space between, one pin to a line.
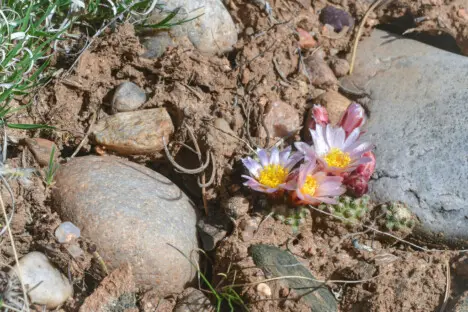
pixel 306 41
pixel 128 97
pixel 284 292
pixel 66 232
pixel 336 17
pixel 339 66
pixel 46 285
pixel 264 290
pixel 236 206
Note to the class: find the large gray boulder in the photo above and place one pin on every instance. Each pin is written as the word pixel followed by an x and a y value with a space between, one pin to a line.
pixel 132 214
pixel 419 124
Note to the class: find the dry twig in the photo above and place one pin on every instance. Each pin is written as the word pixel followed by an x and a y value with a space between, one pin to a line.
pixel 203 184
pixel 359 33
pixel 15 254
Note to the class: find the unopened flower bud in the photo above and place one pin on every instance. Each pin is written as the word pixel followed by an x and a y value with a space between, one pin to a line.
pixel 354 117
pixel 356 184
pixel 319 117
pixel 366 170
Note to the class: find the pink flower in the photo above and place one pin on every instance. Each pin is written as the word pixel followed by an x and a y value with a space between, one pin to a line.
pixel 312 187
pixel 336 153
pixel 354 117
pixel 271 172
pixel 319 117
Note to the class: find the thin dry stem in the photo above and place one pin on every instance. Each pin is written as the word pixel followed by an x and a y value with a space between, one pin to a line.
pixel 384 233
pixel 10 234
pixel 447 287
pixel 182 169
pixel 308 279
pixel 359 33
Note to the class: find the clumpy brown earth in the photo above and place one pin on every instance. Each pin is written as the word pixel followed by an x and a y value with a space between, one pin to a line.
pixel 198 91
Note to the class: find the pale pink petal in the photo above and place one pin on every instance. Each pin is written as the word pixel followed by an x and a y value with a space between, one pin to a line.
pixel 263 156
pixel 274 156
pixel 360 149
pixel 251 165
pixel 352 137
pixel 302 147
pixel 284 155
pixel 339 138
pixel 293 160
pixel 320 146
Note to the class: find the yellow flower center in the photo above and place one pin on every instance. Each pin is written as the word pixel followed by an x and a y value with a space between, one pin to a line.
pixel 337 158
pixel 310 186
pixel 273 175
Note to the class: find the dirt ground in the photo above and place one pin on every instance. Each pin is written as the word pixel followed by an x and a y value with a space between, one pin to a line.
pixel 265 66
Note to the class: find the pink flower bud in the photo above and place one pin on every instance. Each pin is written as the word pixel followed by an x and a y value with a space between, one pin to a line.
pixel 356 184
pixel 354 117
pixel 366 170
pixel 319 117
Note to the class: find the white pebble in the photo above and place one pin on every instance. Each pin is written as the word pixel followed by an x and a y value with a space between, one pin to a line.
pixel 66 232
pixel 264 290
pixel 75 251
pixel 45 284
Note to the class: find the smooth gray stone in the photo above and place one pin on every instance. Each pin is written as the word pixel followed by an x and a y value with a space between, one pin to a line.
pixel 277 262
pixel 419 124
pixel 132 214
pixel 210 27
pixel 128 97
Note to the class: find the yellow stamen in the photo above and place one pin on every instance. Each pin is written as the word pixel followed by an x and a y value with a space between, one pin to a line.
pixel 337 158
pixel 273 175
pixel 310 186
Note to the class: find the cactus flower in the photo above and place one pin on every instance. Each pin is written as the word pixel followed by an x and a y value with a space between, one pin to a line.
pixel 337 153
pixel 312 187
pixel 354 117
pixel 271 173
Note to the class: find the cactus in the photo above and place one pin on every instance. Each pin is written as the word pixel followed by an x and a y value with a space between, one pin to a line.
pixel 397 218
pixel 294 217
pixel 349 210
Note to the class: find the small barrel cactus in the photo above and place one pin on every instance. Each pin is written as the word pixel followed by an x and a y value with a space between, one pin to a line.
pixel 396 218
pixel 349 210
pixel 294 217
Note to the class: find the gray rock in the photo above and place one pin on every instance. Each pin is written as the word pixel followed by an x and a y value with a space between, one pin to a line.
pixel 278 262
pixel 192 300
pixel 461 304
pixel 133 133
pixel 128 97
pixel 419 124
pixel 212 31
pixel 132 214
pixel 46 285
pixel 210 234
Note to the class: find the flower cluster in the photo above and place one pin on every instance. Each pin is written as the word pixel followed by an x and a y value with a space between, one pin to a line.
pixel 336 161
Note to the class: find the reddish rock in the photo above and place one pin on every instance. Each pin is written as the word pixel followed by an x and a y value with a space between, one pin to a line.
pixel 306 41
pixel 281 119
pixel 133 133
pixel 335 103
pixel 320 73
pixel 118 286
